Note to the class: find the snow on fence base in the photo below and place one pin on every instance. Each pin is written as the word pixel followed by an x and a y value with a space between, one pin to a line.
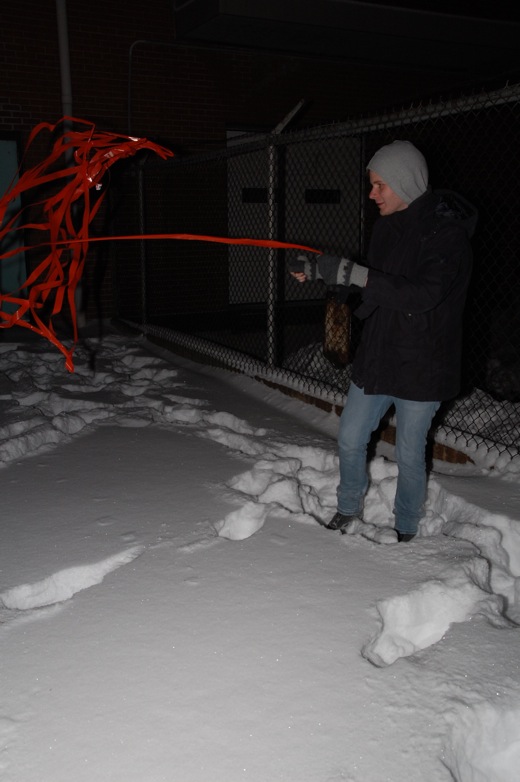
pixel 453 442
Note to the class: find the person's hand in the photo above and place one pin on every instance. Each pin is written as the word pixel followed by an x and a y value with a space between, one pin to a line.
pixel 303 268
pixel 332 269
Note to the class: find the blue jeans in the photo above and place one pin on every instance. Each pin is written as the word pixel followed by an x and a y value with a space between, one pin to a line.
pixel 360 418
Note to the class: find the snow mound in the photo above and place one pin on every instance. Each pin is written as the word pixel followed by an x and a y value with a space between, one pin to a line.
pixel 65 583
pixel 484 744
pixel 242 523
pixel 421 618
pixel 234 424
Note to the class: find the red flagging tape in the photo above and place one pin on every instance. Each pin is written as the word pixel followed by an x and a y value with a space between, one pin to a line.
pixel 79 160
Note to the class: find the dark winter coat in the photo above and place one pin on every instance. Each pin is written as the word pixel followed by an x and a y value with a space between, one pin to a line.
pixel 420 264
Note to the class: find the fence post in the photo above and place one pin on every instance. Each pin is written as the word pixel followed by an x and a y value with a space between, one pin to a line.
pixel 272 260
pixel 273 272
pixel 142 243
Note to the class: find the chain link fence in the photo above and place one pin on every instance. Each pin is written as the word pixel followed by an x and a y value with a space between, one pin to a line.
pixel 236 306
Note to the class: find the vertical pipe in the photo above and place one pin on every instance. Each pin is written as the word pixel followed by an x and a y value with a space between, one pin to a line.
pixel 63 44
pixel 66 111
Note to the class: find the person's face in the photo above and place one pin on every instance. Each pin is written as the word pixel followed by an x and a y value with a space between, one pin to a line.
pixel 385 198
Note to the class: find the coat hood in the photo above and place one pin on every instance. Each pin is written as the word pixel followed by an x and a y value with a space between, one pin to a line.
pixel 456 209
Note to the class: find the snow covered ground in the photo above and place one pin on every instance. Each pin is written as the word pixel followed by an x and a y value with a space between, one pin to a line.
pixel 172 610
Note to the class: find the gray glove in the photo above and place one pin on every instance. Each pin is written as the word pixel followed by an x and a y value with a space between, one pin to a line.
pixel 332 269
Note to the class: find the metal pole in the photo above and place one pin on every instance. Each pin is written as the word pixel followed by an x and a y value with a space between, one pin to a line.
pixel 142 243
pixel 271 269
pixel 63 43
pixel 272 276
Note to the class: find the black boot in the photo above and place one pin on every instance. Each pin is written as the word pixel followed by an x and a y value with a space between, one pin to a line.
pixel 341 522
pixel 405 537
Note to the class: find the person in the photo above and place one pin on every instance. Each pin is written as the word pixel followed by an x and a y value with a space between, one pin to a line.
pixel 413 290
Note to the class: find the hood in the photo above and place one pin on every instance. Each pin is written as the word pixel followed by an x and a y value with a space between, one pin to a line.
pixel 456 209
